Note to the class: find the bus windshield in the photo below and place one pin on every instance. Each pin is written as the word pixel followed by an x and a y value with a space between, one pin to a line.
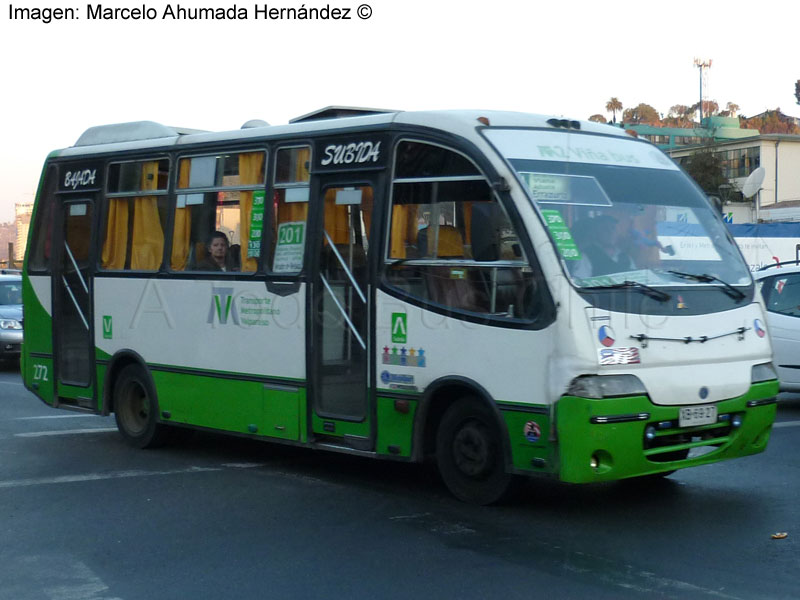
pixel 11 293
pixel 620 211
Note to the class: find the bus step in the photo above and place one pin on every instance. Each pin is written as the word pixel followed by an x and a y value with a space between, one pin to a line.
pixel 348 444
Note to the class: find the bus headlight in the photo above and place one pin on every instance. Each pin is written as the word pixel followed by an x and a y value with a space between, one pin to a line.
pixel 763 372
pixel 10 324
pixel 606 386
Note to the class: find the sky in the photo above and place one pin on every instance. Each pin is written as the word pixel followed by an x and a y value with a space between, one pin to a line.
pixel 565 58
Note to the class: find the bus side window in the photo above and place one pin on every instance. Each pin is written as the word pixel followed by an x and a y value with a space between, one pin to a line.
pixel 136 212
pixel 289 210
pixel 451 243
pixel 220 197
pixel 41 244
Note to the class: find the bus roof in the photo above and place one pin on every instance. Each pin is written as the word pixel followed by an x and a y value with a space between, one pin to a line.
pixel 149 134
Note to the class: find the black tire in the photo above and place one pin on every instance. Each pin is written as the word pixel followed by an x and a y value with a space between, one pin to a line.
pixel 469 453
pixel 136 409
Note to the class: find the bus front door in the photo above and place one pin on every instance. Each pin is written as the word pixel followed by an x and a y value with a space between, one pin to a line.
pixel 339 333
pixel 72 306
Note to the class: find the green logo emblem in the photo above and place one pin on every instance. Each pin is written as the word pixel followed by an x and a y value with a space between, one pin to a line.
pixel 108 330
pixel 222 306
pixel 399 328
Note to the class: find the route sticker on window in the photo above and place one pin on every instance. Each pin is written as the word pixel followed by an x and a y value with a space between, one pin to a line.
pixel 256 225
pixel 289 250
pixel 561 235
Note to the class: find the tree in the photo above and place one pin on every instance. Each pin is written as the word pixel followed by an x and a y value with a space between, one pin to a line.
pixel 598 119
pixel 613 106
pixel 772 121
pixel 710 108
pixel 797 91
pixel 679 115
pixel 705 167
pixel 642 114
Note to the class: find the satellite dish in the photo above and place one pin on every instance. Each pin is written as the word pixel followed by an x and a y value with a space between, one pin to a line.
pixel 753 183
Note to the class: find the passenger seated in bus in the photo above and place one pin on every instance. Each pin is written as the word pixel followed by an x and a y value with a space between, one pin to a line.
pixel 217 255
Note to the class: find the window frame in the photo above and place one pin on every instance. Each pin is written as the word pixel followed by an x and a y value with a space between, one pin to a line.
pixel 176 191
pixel 500 192
pixel 103 209
pixel 270 224
pixel 768 286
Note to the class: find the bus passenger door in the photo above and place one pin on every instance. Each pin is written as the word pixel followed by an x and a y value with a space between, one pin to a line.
pixel 341 311
pixel 72 305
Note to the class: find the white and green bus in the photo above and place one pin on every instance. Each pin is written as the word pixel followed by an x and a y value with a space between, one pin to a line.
pixel 506 294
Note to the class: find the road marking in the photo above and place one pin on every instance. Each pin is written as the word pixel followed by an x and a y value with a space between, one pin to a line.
pixel 54 417
pixel 17 483
pixel 65 432
pixel 12 383
pixel 55 577
pixel 787 424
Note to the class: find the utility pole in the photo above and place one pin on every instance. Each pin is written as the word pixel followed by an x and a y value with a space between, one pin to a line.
pixel 703 65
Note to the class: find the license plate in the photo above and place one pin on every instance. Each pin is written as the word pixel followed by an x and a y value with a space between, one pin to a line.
pixel 697 415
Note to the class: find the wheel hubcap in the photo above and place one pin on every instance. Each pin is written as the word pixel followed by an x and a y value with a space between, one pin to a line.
pixel 136 410
pixel 472 449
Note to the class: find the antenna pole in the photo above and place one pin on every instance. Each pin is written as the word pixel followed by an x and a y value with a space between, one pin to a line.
pixel 703 65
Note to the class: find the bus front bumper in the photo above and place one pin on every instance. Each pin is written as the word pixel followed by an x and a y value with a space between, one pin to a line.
pixel 616 438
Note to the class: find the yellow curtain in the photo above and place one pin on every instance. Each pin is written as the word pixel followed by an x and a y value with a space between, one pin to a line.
pixel 147 245
pixel 399 234
pixel 182 231
pixel 250 173
pixel 292 211
pixel 366 208
pixel 336 218
pixel 301 167
pixel 116 242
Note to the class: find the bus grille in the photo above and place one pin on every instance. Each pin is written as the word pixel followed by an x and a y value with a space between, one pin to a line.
pixel 671 442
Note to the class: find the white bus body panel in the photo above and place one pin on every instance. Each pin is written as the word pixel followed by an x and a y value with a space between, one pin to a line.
pixel 674 371
pixel 42 287
pixel 229 326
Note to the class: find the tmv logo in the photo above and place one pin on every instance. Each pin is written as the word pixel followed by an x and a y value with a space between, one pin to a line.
pixel 222 306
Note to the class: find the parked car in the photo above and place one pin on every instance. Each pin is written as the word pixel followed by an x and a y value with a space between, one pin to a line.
pixel 780 288
pixel 10 315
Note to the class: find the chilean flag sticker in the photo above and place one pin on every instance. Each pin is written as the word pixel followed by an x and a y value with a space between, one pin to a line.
pixel 759 327
pixel 606 336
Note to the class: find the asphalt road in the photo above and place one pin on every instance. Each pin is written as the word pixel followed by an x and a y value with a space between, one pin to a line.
pixel 84 517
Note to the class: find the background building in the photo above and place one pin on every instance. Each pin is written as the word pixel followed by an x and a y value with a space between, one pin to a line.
pixel 715 129
pixel 779 154
pixel 22 221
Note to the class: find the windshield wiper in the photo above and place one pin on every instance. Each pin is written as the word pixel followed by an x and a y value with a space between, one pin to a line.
pixel 634 285
pixel 733 292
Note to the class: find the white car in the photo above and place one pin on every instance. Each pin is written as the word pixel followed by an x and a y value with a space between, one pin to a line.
pixel 780 288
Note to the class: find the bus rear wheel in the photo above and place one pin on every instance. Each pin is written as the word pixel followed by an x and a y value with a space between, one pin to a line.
pixel 469 453
pixel 136 409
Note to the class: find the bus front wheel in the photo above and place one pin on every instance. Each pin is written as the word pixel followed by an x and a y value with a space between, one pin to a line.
pixel 469 453
pixel 136 409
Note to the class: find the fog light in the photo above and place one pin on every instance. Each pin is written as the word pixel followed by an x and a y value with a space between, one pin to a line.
pixel 650 432
pixel 736 421
pixel 593 462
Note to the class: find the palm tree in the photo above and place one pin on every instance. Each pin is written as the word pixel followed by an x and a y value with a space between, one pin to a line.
pixel 613 106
